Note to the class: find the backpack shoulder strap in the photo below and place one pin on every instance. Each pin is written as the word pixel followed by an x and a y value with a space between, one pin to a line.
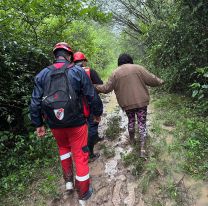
pixel 70 65
pixel 61 70
pixel 51 67
pixel 87 70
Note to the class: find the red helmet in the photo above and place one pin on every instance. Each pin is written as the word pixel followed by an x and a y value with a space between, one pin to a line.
pixel 78 56
pixel 62 45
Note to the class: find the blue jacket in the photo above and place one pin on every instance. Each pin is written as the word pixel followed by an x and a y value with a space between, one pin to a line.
pixel 97 110
pixel 80 83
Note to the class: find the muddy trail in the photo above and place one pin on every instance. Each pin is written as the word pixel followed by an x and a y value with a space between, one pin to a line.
pixel 115 184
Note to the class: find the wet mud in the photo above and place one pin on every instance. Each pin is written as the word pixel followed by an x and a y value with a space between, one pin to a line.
pixel 114 184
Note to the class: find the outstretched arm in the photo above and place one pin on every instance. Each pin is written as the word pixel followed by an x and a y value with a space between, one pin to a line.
pixel 150 79
pixel 108 87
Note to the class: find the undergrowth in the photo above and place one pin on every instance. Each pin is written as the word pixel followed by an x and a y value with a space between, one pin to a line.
pixel 190 133
pixel 107 151
pixel 28 167
pixel 113 129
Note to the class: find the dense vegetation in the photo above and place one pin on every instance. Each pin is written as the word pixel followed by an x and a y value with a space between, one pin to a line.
pixel 169 37
pixel 29 30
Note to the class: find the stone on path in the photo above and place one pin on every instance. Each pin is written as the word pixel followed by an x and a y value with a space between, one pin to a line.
pixel 130 199
pixel 141 202
pixel 116 194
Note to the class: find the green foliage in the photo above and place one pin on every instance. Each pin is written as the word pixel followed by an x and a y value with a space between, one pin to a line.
pixel 200 88
pixel 29 30
pixel 107 151
pixel 105 73
pixel 133 159
pixel 20 157
pixel 16 82
pixel 172 40
pixel 191 134
pixel 178 47
pixel 26 43
pixel 196 146
pixel 95 41
pixel 113 130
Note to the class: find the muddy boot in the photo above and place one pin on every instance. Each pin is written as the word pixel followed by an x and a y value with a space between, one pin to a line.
pixel 87 195
pixel 93 157
pixel 131 137
pixel 69 182
pixel 100 139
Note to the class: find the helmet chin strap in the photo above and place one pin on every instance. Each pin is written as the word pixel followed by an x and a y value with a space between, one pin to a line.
pixel 65 58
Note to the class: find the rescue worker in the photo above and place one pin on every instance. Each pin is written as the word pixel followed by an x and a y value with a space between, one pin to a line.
pixel 68 128
pixel 129 82
pixel 93 137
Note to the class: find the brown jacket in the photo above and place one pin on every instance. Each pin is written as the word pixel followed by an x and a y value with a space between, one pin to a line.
pixel 129 82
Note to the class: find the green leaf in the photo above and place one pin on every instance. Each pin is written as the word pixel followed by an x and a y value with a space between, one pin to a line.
pixel 206 74
pixel 205 86
pixel 201 96
pixel 194 93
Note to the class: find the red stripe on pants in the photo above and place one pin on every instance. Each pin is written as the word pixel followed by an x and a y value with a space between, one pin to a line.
pixel 73 140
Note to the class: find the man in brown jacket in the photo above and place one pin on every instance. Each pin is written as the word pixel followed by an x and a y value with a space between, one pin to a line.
pixel 129 82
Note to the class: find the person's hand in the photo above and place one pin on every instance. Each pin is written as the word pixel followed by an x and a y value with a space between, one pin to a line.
pixel 96 119
pixel 162 82
pixel 96 88
pixel 41 131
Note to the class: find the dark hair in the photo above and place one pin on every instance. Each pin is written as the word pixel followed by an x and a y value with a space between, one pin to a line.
pixel 124 59
pixel 62 52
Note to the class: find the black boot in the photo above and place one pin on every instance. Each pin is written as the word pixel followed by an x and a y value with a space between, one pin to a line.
pixel 131 137
pixel 92 156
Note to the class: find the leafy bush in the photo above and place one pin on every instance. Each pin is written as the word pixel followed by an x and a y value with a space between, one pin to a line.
pixel 175 43
pixel 200 87
pixel 20 158
pixel 172 40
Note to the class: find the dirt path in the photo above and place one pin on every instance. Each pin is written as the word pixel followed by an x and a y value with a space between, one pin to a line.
pixel 114 184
